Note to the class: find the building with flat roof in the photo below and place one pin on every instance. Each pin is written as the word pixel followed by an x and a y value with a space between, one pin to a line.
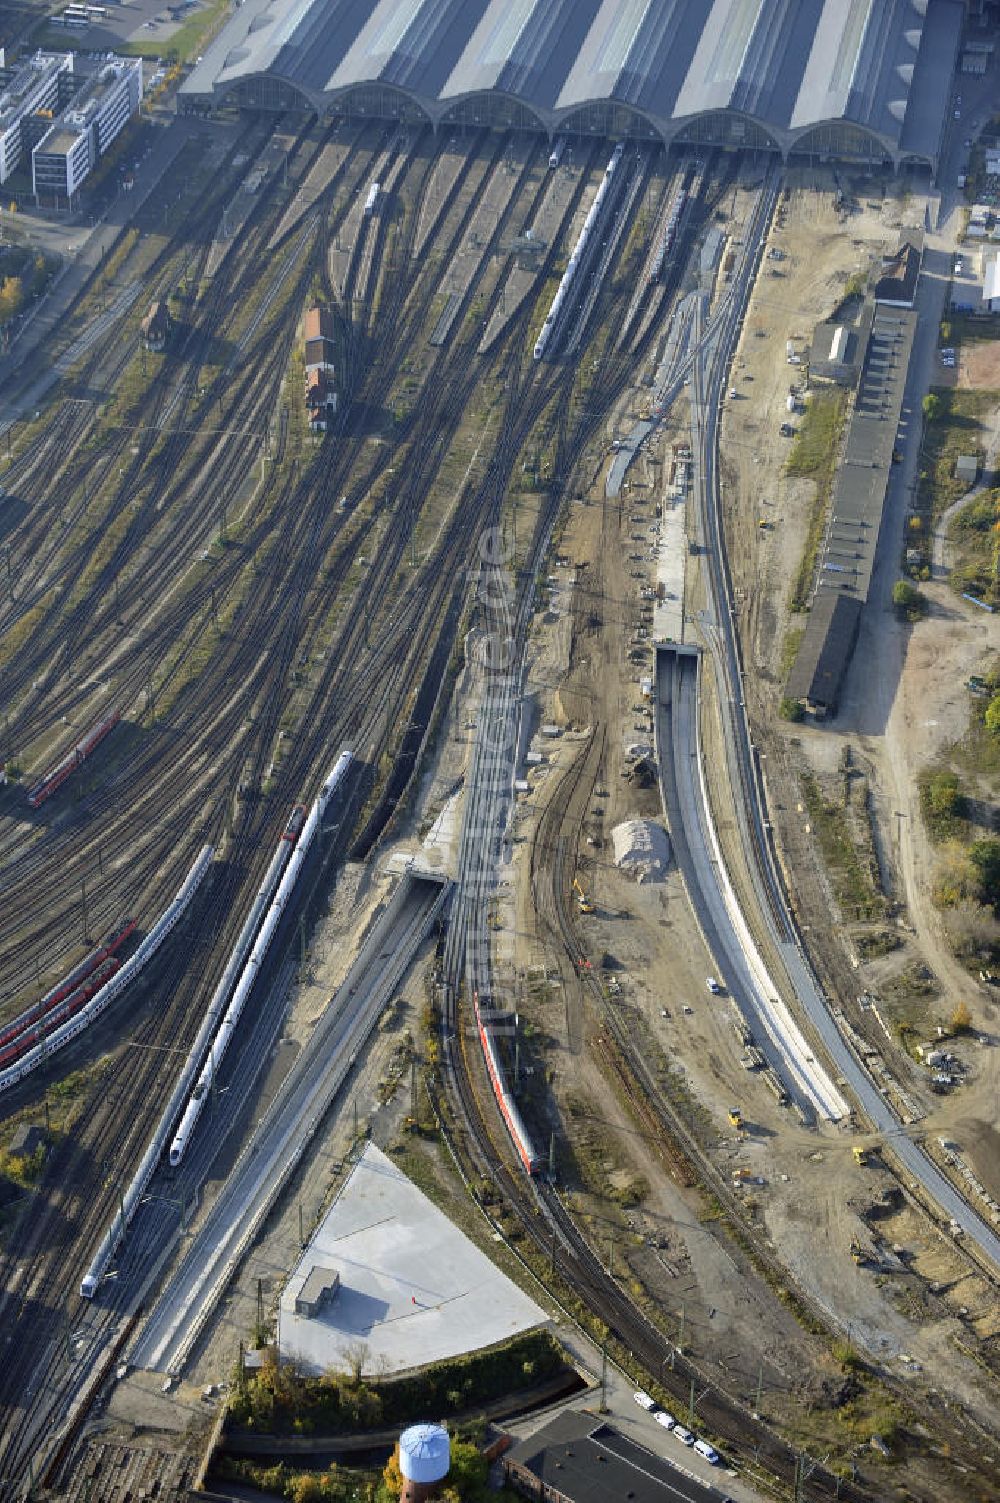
pixel 856 510
pixel 578 1458
pixel 29 95
pixel 413 1289
pixel 70 150
pixel 319 1288
pixel 839 348
pixel 865 81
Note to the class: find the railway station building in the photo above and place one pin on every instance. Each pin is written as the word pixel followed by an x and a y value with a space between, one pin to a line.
pixel 866 82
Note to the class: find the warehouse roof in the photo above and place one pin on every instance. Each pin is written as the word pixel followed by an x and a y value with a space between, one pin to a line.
pixel 789 69
pixel 856 510
pixel 823 657
pixel 582 1459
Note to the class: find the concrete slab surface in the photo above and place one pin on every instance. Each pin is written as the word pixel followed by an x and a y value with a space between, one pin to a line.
pixel 414 1289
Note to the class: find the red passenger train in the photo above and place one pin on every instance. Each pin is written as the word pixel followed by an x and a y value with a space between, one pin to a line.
pixel 531 1160
pixel 61 1012
pixel 50 781
pixel 33 1015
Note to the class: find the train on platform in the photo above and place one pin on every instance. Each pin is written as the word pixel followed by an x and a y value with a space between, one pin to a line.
pixel 579 250
pixel 276 892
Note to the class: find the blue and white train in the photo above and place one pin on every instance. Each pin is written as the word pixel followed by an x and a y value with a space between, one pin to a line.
pixel 589 225
pixel 668 234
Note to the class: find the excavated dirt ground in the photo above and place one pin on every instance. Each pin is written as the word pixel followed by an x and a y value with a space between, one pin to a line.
pixel 813 1200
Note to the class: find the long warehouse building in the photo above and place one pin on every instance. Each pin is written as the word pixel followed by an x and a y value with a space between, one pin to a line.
pixel 856 80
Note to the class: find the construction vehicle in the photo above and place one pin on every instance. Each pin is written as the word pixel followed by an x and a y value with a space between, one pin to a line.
pixel 582 901
pixel 735 1117
pixel 860 1155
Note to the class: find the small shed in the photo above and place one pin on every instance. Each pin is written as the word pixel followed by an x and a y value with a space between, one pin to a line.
pixel 155 327
pixel 967 468
pixel 320 1287
pixel 26 1141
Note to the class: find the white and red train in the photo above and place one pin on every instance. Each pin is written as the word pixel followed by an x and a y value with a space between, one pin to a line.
pixel 220 1019
pixel 520 1137
pixel 50 781
pixel 23 1030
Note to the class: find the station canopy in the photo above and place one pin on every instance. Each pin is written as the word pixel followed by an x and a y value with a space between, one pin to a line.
pixel 839 78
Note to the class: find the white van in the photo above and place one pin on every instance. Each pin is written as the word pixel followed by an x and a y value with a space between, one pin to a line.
pixel 644 1401
pixel 709 1452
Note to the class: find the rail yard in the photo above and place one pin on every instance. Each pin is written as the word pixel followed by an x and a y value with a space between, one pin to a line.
pixel 383 553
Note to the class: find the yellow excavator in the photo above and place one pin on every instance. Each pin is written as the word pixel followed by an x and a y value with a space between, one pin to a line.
pixel 582 901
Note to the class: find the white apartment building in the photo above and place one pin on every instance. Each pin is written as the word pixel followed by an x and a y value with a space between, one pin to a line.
pixel 71 149
pixel 32 90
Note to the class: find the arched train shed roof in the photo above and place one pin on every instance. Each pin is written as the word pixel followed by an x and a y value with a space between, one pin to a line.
pixel 796 69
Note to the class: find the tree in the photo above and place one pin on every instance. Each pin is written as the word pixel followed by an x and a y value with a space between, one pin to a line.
pixel 355 1355
pixel 974 932
pixel 955 879
pixel 961 1018
pixel 392 1476
pixel 791 709
pixel 985 858
pixel 943 793
pixel 931 406
pixel 908 600
pixel 11 298
pixel 992 717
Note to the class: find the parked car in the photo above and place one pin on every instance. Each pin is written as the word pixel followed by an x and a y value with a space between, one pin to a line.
pixel 644 1401
pixel 684 1436
pixel 663 1418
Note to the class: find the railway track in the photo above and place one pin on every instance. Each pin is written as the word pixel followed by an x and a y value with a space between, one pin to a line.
pixel 466 963
pixel 355 692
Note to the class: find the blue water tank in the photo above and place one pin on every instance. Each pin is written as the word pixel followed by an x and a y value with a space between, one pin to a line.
pixel 424 1453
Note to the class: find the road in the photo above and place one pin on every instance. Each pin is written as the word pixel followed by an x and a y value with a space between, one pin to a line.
pixel 715 355
pixel 284 1132
pixel 699 858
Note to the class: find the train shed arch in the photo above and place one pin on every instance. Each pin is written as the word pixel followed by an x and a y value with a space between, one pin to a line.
pixel 494 109
pixel 609 118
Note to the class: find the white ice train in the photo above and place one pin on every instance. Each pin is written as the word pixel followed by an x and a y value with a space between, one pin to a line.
pixel 278 904
pixel 562 291
pixel 118 982
pixel 130 1200
pixel 556 155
